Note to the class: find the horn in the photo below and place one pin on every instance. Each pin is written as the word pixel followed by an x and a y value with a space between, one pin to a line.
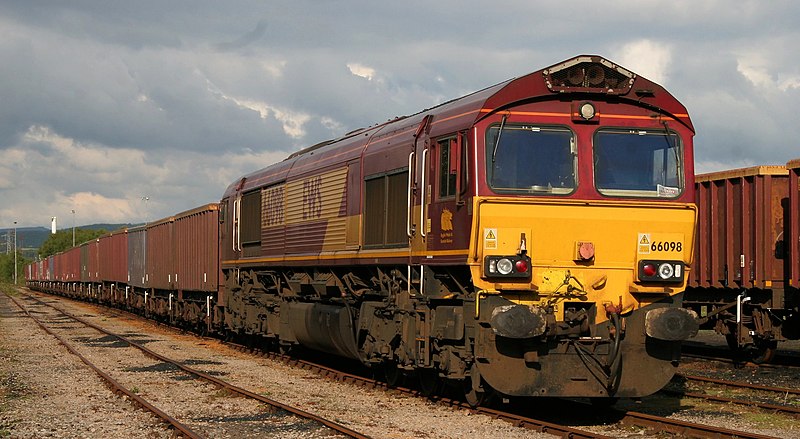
pixel 575 76
pixel 595 74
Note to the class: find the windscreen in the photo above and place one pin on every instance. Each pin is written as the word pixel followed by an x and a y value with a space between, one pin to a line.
pixel 638 163
pixel 530 159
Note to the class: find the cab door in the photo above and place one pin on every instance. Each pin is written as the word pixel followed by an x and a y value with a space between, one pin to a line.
pixel 447 225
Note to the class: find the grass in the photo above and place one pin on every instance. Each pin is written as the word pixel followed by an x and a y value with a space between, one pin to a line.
pixel 772 420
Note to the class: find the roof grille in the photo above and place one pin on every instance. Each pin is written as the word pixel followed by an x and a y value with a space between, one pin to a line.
pixel 588 75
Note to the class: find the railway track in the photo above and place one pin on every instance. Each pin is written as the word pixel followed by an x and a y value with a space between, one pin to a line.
pixel 778 393
pixel 268 413
pixel 701 351
pixel 628 418
pixel 366 382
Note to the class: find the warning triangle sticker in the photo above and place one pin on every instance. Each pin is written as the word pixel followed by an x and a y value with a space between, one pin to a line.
pixel 490 235
pixel 644 240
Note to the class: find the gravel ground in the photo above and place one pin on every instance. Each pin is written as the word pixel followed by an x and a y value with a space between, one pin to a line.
pixel 47 392
pixel 38 401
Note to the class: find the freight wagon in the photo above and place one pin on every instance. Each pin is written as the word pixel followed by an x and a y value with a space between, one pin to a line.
pixel 744 282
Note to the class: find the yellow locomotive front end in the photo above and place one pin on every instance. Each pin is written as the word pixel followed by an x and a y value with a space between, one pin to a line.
pixel 580 298
pixel 582 236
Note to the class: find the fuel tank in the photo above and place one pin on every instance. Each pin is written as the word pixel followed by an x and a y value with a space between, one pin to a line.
pixel 327 328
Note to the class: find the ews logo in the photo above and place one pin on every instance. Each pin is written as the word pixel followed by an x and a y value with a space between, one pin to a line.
pixel 312 198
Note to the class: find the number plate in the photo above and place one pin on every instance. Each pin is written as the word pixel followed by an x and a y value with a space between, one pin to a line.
pixel 660 243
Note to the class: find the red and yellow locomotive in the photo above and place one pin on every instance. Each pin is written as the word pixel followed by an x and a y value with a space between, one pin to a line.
pixel 532 238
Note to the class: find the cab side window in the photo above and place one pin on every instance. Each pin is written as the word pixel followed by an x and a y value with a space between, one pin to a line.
pixel 448 167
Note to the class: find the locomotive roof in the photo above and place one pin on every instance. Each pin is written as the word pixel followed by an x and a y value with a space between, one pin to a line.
pixel 463 112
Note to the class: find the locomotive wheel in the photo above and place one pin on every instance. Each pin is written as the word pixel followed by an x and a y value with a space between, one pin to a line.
pixel 392 374
pixel 429 383
pixel 603 403
pixel 477 392
pixel 473 397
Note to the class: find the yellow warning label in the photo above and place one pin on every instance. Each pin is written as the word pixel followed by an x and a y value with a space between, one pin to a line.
pixel 644 243
pixel 490 238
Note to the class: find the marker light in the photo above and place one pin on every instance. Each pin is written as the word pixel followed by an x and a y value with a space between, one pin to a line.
pixel 521 266
pixel 649 270
pixel 587 111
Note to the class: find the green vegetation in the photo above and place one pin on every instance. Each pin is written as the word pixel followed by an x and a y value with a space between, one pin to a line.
pixel 7 268
pixel 62 240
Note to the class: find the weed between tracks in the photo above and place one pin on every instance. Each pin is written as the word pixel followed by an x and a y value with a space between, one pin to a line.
pixel 772 420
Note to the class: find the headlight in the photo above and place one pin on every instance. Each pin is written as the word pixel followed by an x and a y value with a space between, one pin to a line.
pixel 665 270
pixel 504 266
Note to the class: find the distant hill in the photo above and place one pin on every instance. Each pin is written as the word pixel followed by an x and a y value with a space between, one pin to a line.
pixel 33 237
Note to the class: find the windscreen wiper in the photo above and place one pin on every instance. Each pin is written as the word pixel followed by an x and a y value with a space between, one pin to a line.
pixel 499 133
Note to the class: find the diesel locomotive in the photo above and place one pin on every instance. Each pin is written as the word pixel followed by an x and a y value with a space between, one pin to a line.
pixel 532 239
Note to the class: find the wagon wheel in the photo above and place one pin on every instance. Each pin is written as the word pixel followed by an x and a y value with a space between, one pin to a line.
pixel 429 383
pixel 732 341
pixel 762 351
pixel 759 352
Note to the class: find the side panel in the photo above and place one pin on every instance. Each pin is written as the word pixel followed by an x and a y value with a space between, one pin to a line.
pixel 136 257
pixel 273 222
pixel 197 249
pixel 316 208
pixel 93 266
pixel 113 255
pixel 160 259
pixel 84 262
pixel 793 223
pixel 71 271
pixel 740 229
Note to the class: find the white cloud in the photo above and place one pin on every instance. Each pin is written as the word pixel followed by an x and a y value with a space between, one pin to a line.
pixel 647 58
pixel 362 71
pixel 292 121
pixel 763 73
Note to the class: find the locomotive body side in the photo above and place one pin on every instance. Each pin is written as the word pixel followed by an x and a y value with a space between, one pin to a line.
pixel 391 245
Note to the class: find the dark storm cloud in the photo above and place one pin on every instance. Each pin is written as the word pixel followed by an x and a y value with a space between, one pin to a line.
pixel 173 100
pixel 246 39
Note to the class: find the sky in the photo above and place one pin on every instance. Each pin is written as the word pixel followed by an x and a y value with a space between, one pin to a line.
pixel 129 111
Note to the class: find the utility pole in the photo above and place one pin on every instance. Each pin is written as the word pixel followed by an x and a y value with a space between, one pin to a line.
pixel 15 252
pixel 73 227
